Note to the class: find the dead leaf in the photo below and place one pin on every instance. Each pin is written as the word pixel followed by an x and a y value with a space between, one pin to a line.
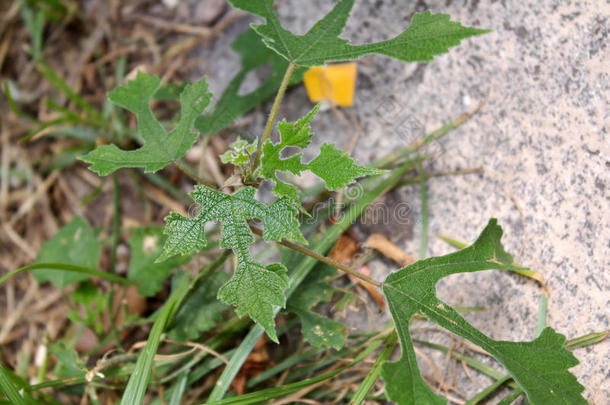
pixel 368 286
pixel 257 362
pixel 387 248
pixel 343 252
pixel 344 249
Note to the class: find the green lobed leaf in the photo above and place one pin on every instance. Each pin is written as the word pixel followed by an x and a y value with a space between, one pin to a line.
pixel 86 293
pixel 254 289
pixel 239 153
pixel 333 166
pixel 146 244
pixel 540 367
pixel 160 148
pixel 68 363
pixel 93 302
pixel 231 104
pixel 75 243
pixel 317 329
pixel 200 311
pixel 427 36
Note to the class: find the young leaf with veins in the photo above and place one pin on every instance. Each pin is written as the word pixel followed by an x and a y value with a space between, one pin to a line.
pixel 540 367
pixel 333 166
pixel 239 154
pixel 160 148
pixel 254 289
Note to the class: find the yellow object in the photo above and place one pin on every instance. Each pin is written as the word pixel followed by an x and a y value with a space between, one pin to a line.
pixel 333 83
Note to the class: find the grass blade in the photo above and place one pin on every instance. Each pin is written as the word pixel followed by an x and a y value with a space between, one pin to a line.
pixel 453 242
pixel 116 221
pixel 271 393
pixel 587 340
pixel 180 389
pixel 67 267
pixel 488 391
pixel 423 248
pixel 468 360
pixel 13 106
pixel 138 382
pixel 289 362
pixel 74 97
pixel 9 389
pixel 34 20
pixel 373 374
pixel 542 313
pixel 512 397
pixel 418 144
pixel 237 360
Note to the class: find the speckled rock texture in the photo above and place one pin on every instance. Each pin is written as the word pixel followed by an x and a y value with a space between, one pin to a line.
pixel 541 139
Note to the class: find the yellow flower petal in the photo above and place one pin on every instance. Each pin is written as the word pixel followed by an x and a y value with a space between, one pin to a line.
pixel 332 83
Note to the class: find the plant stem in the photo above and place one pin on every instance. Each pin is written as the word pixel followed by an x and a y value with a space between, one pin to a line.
pixel 273 114
pixel 204 144
pixel 193 176
pixel 323 259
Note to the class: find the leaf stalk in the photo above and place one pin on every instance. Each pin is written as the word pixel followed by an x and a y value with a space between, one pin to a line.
pixel 323 259
pixel 193 175
pixel 274 109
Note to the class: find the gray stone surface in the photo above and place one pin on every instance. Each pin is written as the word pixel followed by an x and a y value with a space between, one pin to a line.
pixel 541 138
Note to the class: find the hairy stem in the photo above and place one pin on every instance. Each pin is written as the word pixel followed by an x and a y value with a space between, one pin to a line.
pixel 193 176
pixel 323 259
pixel 273 114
